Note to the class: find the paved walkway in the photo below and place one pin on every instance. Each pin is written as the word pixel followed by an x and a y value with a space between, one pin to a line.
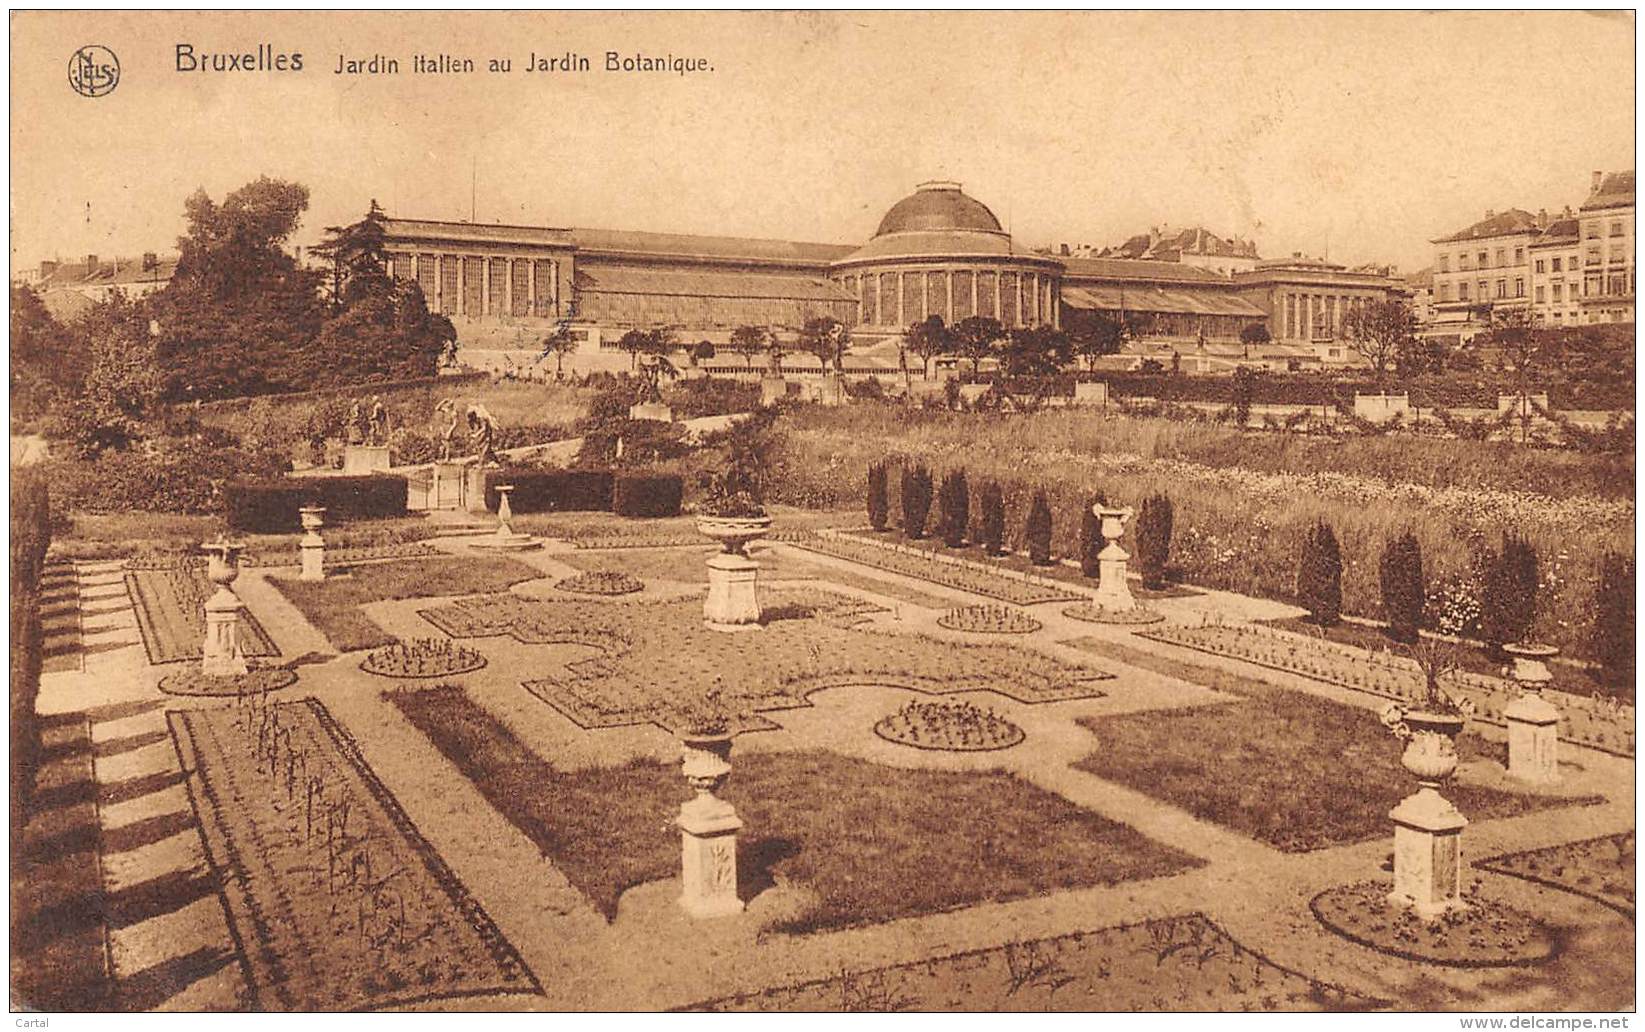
pixel 171 947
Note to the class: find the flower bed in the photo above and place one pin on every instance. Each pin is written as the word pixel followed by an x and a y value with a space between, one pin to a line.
pixel 423 657
pixel 989 619
pixel 601 582
pixel 1599 722
pixel 1601 869
pixel 949 727
pixel 346 555
pixel 191 681
pixel 657 657
pixel 170 605
pixel 1483 934
pixel 959 574
pixel 337 901
pixel 1180 963
pixel 1090 612
pixel 810 818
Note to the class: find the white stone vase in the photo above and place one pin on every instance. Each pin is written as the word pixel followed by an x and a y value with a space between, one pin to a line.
pixel 733 532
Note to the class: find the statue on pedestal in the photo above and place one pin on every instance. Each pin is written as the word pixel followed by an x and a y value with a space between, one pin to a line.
pixel 482 430
pixel 448 405
pixel 352 428
pixel 378 422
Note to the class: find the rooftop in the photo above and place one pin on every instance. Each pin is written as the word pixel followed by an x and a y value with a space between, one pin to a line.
pixel 1616 190
pixel 1494 224
pixel 938 206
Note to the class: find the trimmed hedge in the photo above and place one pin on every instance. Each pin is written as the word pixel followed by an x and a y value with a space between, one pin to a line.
pixel 647 494
pixel 270 506
pixel 554 490
pixel 30 535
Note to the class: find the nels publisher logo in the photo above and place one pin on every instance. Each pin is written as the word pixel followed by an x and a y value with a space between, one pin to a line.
pixel 94 70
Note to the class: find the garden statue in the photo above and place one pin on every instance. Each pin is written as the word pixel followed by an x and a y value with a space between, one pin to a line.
pixel 351 428
pixel 449 406
pixel 378 421
pixel 482 430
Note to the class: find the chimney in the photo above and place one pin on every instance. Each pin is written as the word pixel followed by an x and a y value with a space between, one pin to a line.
pixel 1490 212
pixel 1064 254
pixel 91 264
pixel 1597 177
pixel 151 261
pixel 1542 218
pixel 1567 212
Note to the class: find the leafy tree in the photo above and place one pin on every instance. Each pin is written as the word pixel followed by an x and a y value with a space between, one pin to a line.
pixel 700 352
pixel 954 506
pixel 1038 530
pixel 1036 351
pixel 1523 348
pixel 48 361
pixel 1377 331
pixel 122 387
pixel 976 337
pixel 879 501
pixel 560 343
pixel 1245 385
pixel 748 341
pixel 1152 539
pixel 1255 335
pixel 1098 334
pixel 929 339
pixel 1614 619
pixel 1403 592
pixel 991 524
pixel 359 257
pixel 1319 576
pixel 828 339
pixel 916 501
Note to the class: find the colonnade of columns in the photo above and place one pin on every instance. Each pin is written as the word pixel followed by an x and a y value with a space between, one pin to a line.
pixel 901 298
pixel 500 281
pixel 1309 315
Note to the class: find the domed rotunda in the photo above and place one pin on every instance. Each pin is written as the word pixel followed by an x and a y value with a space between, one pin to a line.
pixel 940 252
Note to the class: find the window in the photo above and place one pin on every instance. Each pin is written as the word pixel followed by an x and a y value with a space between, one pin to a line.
pixel 1556 265
pixel 1519 256
pixel 1616 229
pixel 1500 260
pixel 1592 231
pixel 1519 287
pixel 1484 290
pixel 1559 293
pixel 1539 266
pixel 1501 288
pixel 1462 291
pixel 1445 292
pixel 1444 263
pixel 1539 297
pixel 1484 260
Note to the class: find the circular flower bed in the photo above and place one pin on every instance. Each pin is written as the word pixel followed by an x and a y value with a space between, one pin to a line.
pixel 949 726
pixel 602 582
pixel 1484 934
pixel 422 657
pixel 989 619
pixel 1090 612
pixel 191 681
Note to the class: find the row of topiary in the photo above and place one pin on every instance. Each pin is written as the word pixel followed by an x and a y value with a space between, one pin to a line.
pixel 1509 597
pixel 1151 533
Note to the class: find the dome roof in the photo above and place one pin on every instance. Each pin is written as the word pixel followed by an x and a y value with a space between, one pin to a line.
pixel 937 207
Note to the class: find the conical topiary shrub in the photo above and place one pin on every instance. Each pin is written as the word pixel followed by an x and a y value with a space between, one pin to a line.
pixel 1508 602
pixel 1090 539
pixel 991 523
pixel 1152 539
pixel 1038 530
pixel 1614 620
pixel 953 509
pixel 1319 576
pixel 1402 588
pixel 879 500
pixel 916 501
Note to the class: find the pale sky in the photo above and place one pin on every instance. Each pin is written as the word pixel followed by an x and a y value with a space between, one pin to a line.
pixel 1362 134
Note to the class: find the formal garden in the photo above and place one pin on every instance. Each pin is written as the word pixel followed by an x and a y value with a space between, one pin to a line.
pixel 862 707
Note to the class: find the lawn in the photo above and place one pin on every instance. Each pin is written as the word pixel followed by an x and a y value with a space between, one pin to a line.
pixel 333 605
pixel 870 843
pixel 1293 770
pixel 657 656
pixel 605 530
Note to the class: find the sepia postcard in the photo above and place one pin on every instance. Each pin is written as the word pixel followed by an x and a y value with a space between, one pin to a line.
pixel 824 511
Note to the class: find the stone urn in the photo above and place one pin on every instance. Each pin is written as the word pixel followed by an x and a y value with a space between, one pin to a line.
pixel 1427 827
pixel 220 654
pixel 708 829
pixel 1431 748
pixel 1533 721
pixel 733 603
pixel 1113 589
pixel 1531 665
pixel 312 547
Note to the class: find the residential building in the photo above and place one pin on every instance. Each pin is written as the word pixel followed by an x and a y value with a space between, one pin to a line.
pixel 70 289
pixel 1607 228
pixel 1480 269
pixel 1197 247
pixel 1556 272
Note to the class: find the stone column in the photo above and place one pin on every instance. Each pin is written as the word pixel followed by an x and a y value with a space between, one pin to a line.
pixel 508 298
pixel 949 318
pixel 1052 299
pixel 1533 722
pixel 313 546
pixel 485 285
pixel 925 295
pixel 531 286
pixel 902 319
pixel 439 282
pixel 460 306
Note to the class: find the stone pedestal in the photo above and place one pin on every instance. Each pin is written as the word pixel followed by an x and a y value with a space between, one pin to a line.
pixel 474 487
pixel 360 459
pixel 1533 721
pixel 506 539
pixel 652 410
pixel 221 650
pixel 1113 589
pixel 313 546
pixel 449 488
pixel 733 603
pixel 708 857
pixel 832 391
pixel 1427 853
pixel 773 390
pixel 708 830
